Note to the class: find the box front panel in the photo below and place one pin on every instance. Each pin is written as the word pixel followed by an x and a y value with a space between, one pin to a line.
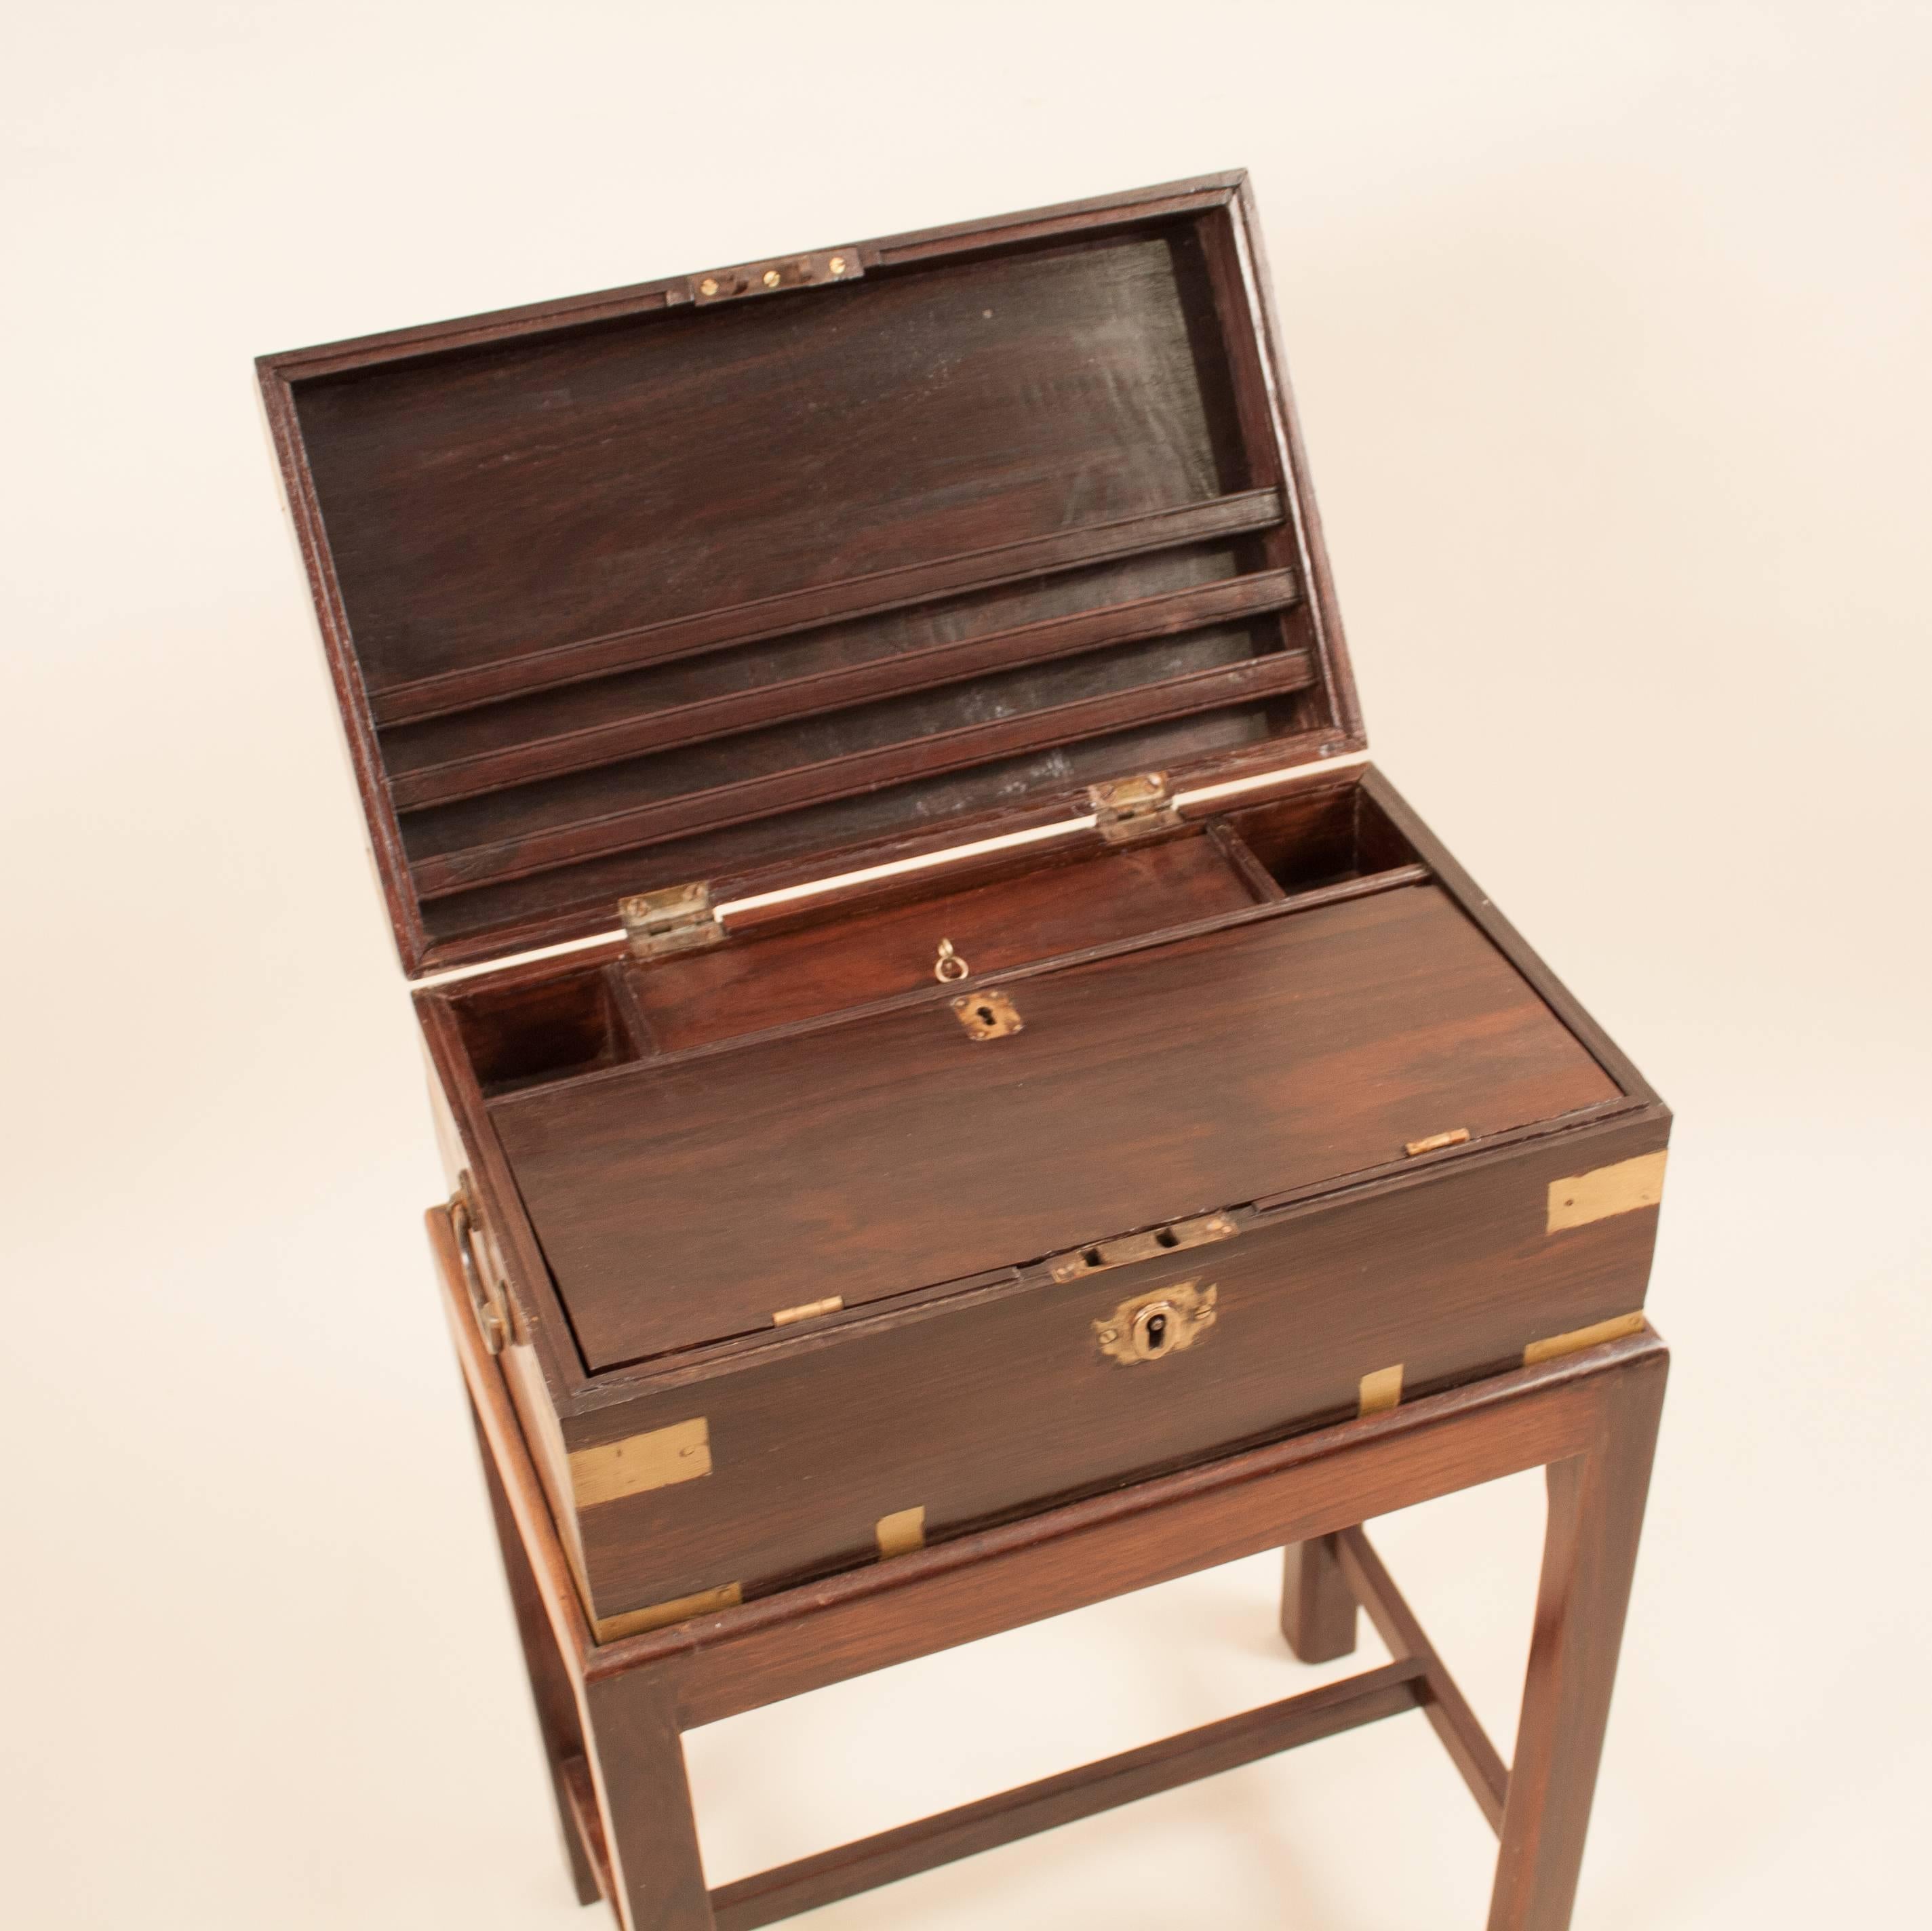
pixel 830 1449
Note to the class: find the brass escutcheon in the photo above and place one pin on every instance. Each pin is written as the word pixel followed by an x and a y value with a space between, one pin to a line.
pixel 1151 1326
pixel 988 1015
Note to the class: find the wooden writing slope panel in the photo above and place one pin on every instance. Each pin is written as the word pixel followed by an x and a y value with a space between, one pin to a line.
pixel 862 1158
pixel 659 584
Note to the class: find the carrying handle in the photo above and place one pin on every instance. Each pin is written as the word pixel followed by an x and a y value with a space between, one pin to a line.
pixel 493 1318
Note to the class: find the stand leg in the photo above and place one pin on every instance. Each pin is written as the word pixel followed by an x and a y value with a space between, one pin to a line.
pixel 1596 1512
pixel 550 1690
pixel 1318 1607
pixel 656 1867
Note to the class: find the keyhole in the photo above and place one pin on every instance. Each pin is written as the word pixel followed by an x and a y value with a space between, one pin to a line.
pixel 1154 1331
pixel 985 1015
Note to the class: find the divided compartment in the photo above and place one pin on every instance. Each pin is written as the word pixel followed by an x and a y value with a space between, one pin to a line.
pixel 798 963
pixel 689 690
pixel 544 1029
pixel 1318 836
pixel 1041 906
pixel 658 755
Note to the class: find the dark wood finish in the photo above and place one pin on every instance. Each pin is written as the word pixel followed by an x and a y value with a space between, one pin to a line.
pixel 525 530
pixel 1303 1049
pixel 743 854
pixel 972 576
pixel 978 1403
pixel 581 1790
pixel 892 1855
pixel 1053 911
pixel 563 1023
pixel 507 501
pixel 1590 1417
pixel 731 713
pixel 1049 1564
pixel 1319 1610
pixel 831 565
pixel 1597 1502
pixel 1481 907
pixel 656 1869
pixel 548 832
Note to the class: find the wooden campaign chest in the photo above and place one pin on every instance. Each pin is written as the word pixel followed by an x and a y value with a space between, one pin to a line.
pixel 931 1013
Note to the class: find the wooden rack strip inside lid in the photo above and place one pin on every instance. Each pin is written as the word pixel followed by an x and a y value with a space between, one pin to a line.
pixel 764 572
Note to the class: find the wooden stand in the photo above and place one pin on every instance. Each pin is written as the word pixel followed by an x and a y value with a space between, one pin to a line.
pixel 613 1715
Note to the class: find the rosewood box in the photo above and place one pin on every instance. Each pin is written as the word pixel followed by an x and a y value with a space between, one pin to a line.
pixel 930 1012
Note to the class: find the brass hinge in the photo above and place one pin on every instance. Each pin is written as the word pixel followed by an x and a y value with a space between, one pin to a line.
pixel 675 918
pixel 826 266
pixel 1129 808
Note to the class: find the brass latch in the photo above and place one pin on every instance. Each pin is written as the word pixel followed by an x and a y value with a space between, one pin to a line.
pixel 1152 1245
pixel 1133 808
pixel 1151 1326
pixel 677 919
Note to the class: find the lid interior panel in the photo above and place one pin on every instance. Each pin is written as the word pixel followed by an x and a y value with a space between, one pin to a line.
pixel 628 598
pixel 495 501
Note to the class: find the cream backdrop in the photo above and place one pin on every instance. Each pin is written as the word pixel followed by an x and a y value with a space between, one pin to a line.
pixel 1609 326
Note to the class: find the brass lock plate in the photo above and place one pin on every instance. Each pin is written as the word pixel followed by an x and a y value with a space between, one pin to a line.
pixel 988 1015
pixel 1154 1245
pixel 1151 1326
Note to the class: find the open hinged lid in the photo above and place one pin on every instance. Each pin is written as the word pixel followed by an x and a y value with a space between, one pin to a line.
pixel 766 573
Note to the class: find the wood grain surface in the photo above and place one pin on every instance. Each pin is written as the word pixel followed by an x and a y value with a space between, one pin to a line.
pixel 1143 1089
pixel 624 591
pixel 990 1402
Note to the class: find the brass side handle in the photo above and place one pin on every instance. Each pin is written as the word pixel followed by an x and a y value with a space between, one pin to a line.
pixel 492 1316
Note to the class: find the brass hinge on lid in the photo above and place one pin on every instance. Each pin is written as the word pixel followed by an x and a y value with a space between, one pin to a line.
pixel 822 269
pixel 676 918
pixel 1128 808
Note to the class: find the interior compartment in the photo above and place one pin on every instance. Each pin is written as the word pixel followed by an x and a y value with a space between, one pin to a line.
pixel 1322 834
pixel 1042 905
pixel 1050 909
pixel 545 1029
